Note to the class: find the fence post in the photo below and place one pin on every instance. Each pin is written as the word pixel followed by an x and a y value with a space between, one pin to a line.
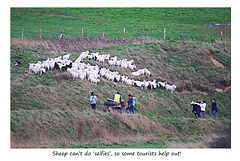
pixel 40 34
pixel 22 33
pixel 203 34
pixel 164 34
pixel 82 32
pixel 183 35
pixel 62 35
pixel 143 33
pixel 103 33
pixel 221 34
pixel 123 33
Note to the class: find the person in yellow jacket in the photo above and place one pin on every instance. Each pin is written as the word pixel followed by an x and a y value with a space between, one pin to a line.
pixel 117 97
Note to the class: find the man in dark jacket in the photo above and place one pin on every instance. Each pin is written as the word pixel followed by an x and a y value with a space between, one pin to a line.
pixel 214 108
pixel 130 104
pixel 194 110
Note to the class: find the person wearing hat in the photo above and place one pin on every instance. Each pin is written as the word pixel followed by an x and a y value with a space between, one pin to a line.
pixel 117 97
pixel 93 101
pixel 203 107
pixel 214 108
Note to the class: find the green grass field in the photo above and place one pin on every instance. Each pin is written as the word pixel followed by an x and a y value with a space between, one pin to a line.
pixel 53 20
pixel 52 110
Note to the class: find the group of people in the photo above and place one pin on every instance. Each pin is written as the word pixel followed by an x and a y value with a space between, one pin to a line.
pixel 117 98
pixel 131 102
pixel 200 107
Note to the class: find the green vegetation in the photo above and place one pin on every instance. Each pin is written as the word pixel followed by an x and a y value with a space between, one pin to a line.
pixel 52 110
pixel 53 20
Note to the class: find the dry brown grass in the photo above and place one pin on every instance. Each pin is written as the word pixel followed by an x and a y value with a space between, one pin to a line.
pixel 74 44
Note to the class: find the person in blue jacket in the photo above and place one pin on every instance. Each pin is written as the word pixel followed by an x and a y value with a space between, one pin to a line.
pixel 214 108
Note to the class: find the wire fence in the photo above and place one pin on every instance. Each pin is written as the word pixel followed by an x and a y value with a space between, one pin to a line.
pixel 204 34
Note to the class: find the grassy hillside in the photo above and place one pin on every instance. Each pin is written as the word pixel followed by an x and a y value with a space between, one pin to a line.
pixel 53 20
pixel 53 110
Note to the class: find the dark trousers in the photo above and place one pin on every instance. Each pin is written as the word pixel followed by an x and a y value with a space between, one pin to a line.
pixel 93 106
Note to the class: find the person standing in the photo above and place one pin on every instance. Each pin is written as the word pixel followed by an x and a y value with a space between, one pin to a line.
pixel 194 110
pixel 93 101
pixel 214 108
pixel 134 103
pixel 198 109
pixel 203 107
pixel 130 104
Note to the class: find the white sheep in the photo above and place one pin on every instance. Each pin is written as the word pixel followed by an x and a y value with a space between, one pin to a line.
pixel 145 84
pixel 73 73
pixel 137 73
pixel 130 82
pixel 124 79
pixel 89 57
pixel 170 87
pixel 153 84
pixel 42 71
pixel 93 80
pixel 66 56
pixel 147 72
pixel 139 84
pixel 100 58
pixel 132 67
pixel 111 62
pixel 114 58
pixel 106 57
pixel 124 65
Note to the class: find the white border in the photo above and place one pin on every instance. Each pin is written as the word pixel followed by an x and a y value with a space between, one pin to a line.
pixel 45 154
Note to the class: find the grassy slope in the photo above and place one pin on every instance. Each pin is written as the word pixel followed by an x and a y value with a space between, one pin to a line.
pixel 53 20
pixel 52 110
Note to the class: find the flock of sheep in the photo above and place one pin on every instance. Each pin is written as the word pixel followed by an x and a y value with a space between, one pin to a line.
pixel 78 69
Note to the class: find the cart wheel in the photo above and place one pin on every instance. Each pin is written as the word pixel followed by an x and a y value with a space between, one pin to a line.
pixel 109 109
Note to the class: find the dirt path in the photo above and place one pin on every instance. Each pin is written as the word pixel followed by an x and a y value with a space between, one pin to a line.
pixel 205 93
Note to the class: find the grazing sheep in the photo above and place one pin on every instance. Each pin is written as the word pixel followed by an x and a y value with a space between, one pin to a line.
pixel 132 67
pixel 100 59
pixel 147 72
pixel 124 79
pixel 162 84
pixel 66 56
pixel 106 57
pixel 111 62
pixel 42 71
pixel 94 56
pixel 124 65
pixel 171 87
pixel 73 73
pixel 118 63
pixel 130 82
pixel 145 84
pixel 139 84
pixel 31 65
pixel 153 84
pixel 89 57
pixel 64 68
pixel 93 80
pixel 114 58
pixel 137 73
